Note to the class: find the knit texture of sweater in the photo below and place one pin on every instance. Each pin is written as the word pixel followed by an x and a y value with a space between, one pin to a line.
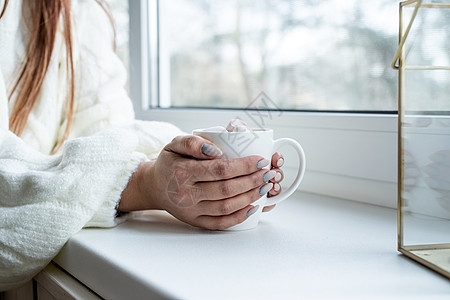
pixel 45 199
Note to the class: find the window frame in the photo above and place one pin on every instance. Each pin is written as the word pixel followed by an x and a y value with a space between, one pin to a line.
pixel 349 155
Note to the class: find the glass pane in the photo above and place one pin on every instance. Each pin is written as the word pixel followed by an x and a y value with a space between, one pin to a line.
pixel 303 54
pixel 426 179
pixel 427 48
pixel 426 128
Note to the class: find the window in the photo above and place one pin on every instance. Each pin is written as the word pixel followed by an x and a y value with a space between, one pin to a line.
pixel 304 55
pixel 329 55
pixel 184 57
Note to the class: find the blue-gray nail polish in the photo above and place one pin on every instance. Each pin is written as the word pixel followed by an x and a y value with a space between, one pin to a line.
pixel 252 211
pixel 269 175
pixel 262 163
pixel 265 189
pixel 211 150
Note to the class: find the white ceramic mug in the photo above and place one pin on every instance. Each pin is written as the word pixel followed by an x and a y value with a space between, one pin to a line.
pixel 259 142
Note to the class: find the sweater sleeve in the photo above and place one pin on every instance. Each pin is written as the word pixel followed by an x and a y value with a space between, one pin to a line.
pixel 44 200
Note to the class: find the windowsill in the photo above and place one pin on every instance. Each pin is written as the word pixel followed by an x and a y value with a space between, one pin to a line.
pixel 310 246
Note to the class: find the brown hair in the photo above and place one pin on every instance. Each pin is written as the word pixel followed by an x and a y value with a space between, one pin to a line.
pixel 44 18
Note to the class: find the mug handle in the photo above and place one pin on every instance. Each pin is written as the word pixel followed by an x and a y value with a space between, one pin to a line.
pixel 301 170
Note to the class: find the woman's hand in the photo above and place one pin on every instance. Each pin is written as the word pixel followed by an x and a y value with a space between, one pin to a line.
pixel 197 189
pixel 277 163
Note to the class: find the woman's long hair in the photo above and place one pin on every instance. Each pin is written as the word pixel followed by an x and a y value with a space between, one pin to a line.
pixel 44 19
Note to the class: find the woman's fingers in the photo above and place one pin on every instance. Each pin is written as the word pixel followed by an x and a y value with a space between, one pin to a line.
pixel 277 163
pixel 216 190
pixel 277 160
pixel 279 175
pixel 194 146
pixel 223 222
pixel 207 192
pixel 231 205
pixel 276 189
pixel 268 208
pixel 221 169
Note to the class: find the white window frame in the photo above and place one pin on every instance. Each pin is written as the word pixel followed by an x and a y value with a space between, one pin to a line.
pixel 349 155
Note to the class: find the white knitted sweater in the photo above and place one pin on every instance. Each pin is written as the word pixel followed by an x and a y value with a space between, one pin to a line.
pixel 45 199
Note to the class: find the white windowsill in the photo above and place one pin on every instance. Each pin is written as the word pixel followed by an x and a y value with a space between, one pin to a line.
pixel 309 247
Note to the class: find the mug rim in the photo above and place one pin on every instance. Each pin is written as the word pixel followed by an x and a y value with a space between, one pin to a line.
pixel 255 130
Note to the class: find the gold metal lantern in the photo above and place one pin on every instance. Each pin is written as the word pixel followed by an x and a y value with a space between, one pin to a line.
pixel 423 62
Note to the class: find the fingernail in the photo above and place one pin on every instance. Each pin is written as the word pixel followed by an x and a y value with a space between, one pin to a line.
pixel 211 150
pixel 269 175
pixel 280 162
pixel 278 176
pixel 265 189
pixel 262 163
pixel 252 210
pixel 276 187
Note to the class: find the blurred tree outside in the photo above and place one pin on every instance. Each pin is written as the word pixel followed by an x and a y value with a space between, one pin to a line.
pixel 304 54
pixel 327 55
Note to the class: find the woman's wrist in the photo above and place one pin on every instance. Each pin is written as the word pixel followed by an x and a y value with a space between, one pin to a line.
pixel 137 195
